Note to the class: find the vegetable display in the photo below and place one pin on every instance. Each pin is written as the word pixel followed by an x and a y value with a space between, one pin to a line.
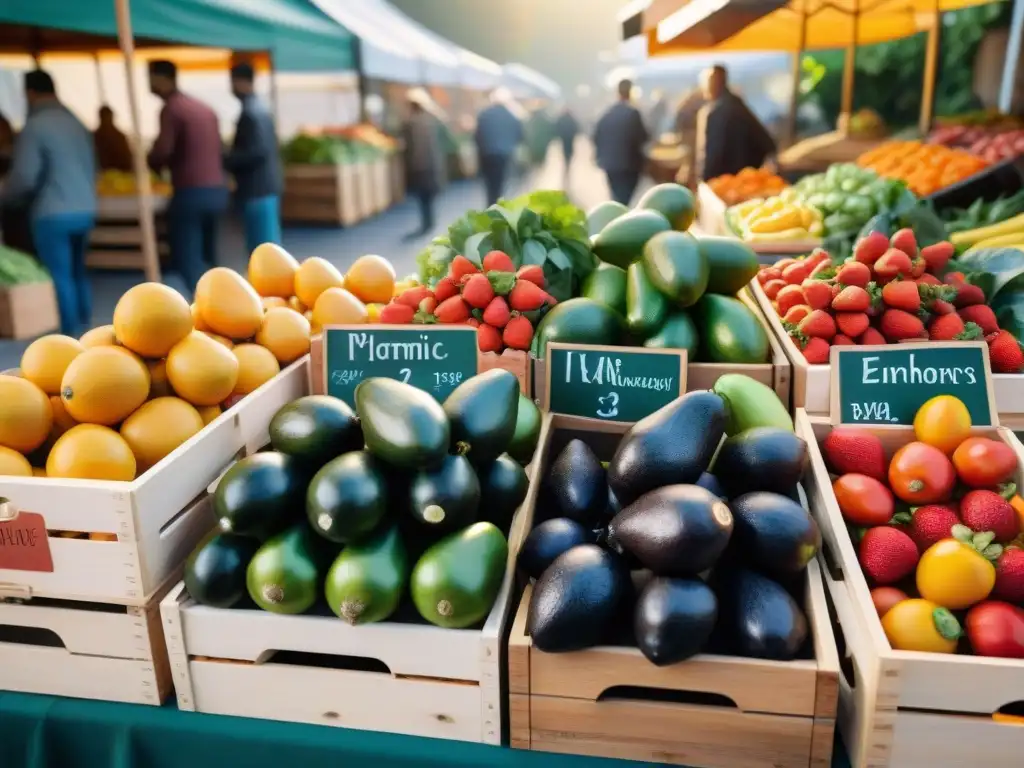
pixel 748 184
pixel 967 225
pixel 328 150
pixel 17 268
pixel 926 168
pixel 778 219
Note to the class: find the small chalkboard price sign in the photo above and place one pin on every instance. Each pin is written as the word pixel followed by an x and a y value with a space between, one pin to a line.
pixel 433 358
pixel 615 384
pixel 888 384
pixel 24 545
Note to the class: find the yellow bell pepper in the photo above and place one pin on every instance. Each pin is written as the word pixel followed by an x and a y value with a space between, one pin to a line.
pixel 786 236
pixel 787 218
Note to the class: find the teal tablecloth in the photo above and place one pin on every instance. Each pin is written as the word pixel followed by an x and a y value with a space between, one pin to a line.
pixel 52 732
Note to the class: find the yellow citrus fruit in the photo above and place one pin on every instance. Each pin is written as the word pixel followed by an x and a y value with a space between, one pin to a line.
pixel 272 271
pixel 336 306
pixel 202 371
pixel 371 279
pixel 62 420
pixel 228 304
pixel 91 452
pixel 208 413
pixel 99 337
pixel 158 427
pixel 25 414
pixel 943 422
pixel 270 302
pixel 315 276
pixel 297 305
pixel 45 360
pixel 103 385
pixel 13 463
pixel 197 319
pixel 159 386
pixel 151 318
pixel 256 366
pixel 222 340
pixel 373 312
pixel 285 333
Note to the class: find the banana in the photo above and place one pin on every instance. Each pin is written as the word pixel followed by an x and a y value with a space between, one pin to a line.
pixel 973 236
pixel 1013 239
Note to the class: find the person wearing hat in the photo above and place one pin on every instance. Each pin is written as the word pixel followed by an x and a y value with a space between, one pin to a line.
pixel 422 159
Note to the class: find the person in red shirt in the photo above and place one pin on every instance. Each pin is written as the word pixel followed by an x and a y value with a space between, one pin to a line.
pixel 189 145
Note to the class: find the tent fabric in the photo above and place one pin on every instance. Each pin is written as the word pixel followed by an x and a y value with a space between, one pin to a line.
pixel 525 82
pixel 382 54
pixel 479 73
pixel 439 62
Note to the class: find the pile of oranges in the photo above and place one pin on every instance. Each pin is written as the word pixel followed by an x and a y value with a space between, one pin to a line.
pixel 746 185
pixel 926 168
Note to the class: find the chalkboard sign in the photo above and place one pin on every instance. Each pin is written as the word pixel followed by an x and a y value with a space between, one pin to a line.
pixel 433 358
pixel 887 384
pixel 612 383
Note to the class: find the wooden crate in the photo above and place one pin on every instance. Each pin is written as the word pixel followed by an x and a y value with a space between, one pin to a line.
pixel 322 194
pixel 898 708
pixel 28 310
pixel 154 517
pixel 380 175
pixel 396 167
pixel 775 374
pixel 116 240
pixel 612 702
pixel 85 650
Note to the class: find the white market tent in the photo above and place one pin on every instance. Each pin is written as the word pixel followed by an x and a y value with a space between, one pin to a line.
pixel 383 55
pixel 525 82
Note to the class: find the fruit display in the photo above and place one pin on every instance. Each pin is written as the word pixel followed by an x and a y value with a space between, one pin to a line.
pixel 925 168
pixel 847 197
pixel 970 226
pixel 996 142
pixel 17 268
pixel 366 133
pixel 310 149
pixel 937 527
pixel 778 219
pixel 748 184
pixel 670 547
pixel 114 183
pixel 400 500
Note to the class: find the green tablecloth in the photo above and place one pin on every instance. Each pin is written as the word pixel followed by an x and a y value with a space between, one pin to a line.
pixel 52 732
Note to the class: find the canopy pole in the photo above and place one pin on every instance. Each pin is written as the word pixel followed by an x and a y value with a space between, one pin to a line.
pixel 794 102
pixel 361 83
pixel 931 67
pixel 1012 55
pixel 151 264
pixel 275 96
pixel 849 72
pixel 100 86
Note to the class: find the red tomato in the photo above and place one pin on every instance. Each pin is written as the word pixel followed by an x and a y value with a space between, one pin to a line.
pixel 982 462
pixel 996 629
pixel 921 474
pixel 863 500
pixel 885 598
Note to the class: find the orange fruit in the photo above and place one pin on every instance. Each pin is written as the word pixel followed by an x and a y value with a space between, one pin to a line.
pixel 270 302
pixel 99 337
pixel 91 452
pixel 25 414
pixel 159 386
pixel 336 306
pixel 315 276
pixel 285 333
pixel 202 371
pixel 222 340
pixel 197 319
pixel 297 305
pixel 371 279
pixel 158 427
pixel 208 412
pixel 45 360
pixel 228 304
pixel 373 312
pixel 13 463
pixel 151 318
pixel 256 366
pixel 62 420
pixel 943 422
pixel 103 385
pixel 272 271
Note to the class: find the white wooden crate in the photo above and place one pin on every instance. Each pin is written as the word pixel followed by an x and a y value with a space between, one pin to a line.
pixel 153 517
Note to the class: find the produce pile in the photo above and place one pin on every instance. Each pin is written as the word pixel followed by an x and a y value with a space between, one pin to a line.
pixel 848 196
pixel 888 291
pixel 308 149
pixel 402 495
pixel 938 526
pixel 366 133
pixel 717 543
pixel 17 268
pixel 748 184
pixel 925 168
pixel 114 183
pixel 993 145
pixel 782 218
pixel 977 225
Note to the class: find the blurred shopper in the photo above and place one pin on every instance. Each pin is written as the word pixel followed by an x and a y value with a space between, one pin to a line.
pixel 729 136
pixel 254 161
pixel 619 144
pixel 6 136
pixel 53 172
pixel 113 152
pixel 567 128
pixel 189 144
pixel 422 159
pixel 686 128
pixel 498 134
pixel 658 116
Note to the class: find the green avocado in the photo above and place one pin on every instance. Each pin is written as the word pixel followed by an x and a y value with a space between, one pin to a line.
pixel 646 306
pixel 731 264
pixel 402 425
pixel 366 581
pixel 623 240
pixel 602 214
pixel 751 404
pixel 578 321
pixel 285 574
pixel 524 439
pixel 730 331
pixel 447 497
pixel 677 332
pixel 260 495
pixel 314 429
pixel 348 497
pixel 607 285
pixel 482 413
pixel 215 571
pixel 456 581
pixel 676 267
pixel 673 201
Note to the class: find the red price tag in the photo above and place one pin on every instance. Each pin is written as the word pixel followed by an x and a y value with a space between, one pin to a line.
pixel 24 545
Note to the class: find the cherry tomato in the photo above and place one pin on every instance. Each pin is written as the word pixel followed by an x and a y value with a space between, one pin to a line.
pixel 982 462
pixel 996 629
pixel 921 474
pixel 863 500
pixel 885 598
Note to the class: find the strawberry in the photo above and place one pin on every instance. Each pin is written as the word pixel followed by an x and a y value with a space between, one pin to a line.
pixel 518 333
pixel 446 288
pixel 497 313
pixel 871 337
pixel 818 324
pixel 897 325
pixel 534 273
pixel 478 291
pixel 988 511
pixel 781 264
pixel 797 313
pixel 817 294
pixel 849 450
pixel 816 351
pixel 842 340
pixel 905 241
pixel 894 263
pixel 1004 353
pixel 869 249
pixel 928 279
pixel 852 298
pixel 396 314
pixel 460 267
pixel 941 307
pixel 818 256
pixel 902 294
pixel 453 310
pixel 852 324
pixel 764 274
pixel 930 524
pixel 917 267
pixel 982 316
pixel 773 287
pixel 428 305
pixel 937 256
pixel 823 271
pixel 1010 576
pixel 954 278
pixel 788 297
pixel 796 273
pixel 951 328
pixel 887 555
pixel 473 322
pixel 854 273
pixel 526 296
pixel 498 261
pixel 413 296
pixel 968 295
pixel 488 338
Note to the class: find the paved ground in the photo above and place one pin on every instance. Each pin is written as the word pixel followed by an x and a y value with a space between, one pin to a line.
pixel 382 235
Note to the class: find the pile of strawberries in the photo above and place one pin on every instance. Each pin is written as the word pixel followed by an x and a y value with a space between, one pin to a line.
pixel 496 300
pixel 888 291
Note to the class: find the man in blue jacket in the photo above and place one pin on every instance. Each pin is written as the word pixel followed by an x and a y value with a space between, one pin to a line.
pixel 53 174
pixel 619 144
pixel 498 134
pixel 253 159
